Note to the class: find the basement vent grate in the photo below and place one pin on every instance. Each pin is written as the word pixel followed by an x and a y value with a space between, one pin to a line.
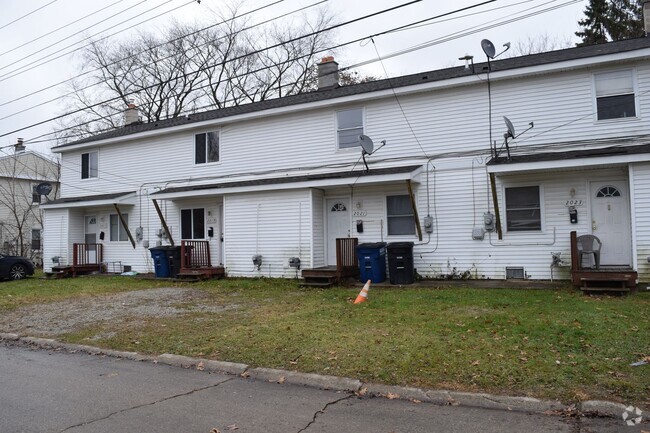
pixel 515 274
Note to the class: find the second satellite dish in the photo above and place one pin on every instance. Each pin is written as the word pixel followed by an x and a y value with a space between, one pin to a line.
pixel 488 48
pixel 44 188
pixel 366 144
pixel 510 126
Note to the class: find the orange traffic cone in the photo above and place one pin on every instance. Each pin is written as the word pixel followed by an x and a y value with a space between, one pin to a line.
pixel 363 294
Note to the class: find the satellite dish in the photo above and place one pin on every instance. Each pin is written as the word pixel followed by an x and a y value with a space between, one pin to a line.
pixel 366 144
pixel 488 48
pixel 44 188
pixel 510 126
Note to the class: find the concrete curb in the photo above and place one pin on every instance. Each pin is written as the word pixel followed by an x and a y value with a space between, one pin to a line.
pixel 336 383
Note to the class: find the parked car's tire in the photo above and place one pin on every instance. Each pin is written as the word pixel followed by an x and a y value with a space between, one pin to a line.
pixel 17 272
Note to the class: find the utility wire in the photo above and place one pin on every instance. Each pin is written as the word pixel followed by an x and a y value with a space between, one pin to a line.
pixel 26 15
pixel 168 57
pixel 30 66
pixel 62 27
pixel 297 58
pixel 203 68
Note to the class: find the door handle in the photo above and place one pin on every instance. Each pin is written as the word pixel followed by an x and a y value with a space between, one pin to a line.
pixel 593 225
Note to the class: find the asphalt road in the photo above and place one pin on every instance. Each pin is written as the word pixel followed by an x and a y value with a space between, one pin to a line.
pixel 48 391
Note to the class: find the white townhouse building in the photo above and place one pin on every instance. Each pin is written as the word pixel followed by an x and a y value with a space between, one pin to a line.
pixel 285 178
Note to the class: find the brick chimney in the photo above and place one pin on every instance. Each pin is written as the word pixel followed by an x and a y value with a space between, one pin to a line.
pixel 646 16
pixel 131 114
pixel 328 74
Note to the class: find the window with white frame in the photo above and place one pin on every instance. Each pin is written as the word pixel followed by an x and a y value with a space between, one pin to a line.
pixel 349 124
pixel 89 165
pixel 206 147
pixel 523 208
pixel 615 94
pixel 399 215
pixel 193 223
pixel 117 229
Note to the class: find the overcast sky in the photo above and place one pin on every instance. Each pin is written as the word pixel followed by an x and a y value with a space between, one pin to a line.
pixel 47 16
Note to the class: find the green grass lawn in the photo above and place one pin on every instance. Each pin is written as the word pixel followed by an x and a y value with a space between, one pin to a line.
pixel 542 343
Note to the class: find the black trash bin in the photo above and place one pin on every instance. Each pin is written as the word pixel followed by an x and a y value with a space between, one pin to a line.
pixel 174 260
pixel 372 261
pixel 400 263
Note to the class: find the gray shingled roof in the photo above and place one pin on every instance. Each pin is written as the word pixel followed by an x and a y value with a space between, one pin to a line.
pixel 89 198
pixel 292 179
pixel 374 86
pixel 572 154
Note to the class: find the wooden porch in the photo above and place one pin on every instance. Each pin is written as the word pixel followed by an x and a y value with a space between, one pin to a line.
pixel 86 259
pixel 621 279
pixel 196 263
pixel 347 266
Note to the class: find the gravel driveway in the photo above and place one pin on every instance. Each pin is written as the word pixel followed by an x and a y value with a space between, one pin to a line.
pixel 75 314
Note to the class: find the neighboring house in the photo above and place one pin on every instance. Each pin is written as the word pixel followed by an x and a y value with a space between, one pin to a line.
pixel 284 178
pixel 20 214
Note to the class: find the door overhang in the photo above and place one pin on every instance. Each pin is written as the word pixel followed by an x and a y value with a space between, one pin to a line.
pixel 119 198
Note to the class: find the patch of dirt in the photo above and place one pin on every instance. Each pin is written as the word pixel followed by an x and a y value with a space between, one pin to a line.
pixel 75 314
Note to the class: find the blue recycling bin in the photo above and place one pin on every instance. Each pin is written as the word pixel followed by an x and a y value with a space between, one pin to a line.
pixel 372 261
pixel 160 261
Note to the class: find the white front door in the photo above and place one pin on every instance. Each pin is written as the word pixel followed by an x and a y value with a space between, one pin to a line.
pixel 610 221
pixel 338 224
pixel 91 238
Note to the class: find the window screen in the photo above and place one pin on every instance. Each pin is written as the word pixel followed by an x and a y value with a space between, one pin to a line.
pixel 615 95
pixel 349 127
pixel 399 215
pixel 89 163
pixel 523 211
pixel 118 231
pixel 193 223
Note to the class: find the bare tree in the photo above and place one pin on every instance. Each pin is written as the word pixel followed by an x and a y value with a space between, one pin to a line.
pixel 19 203
pixel 537 44
pixel 186 68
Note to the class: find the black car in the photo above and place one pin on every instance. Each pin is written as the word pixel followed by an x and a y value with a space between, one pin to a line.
pixel 15 267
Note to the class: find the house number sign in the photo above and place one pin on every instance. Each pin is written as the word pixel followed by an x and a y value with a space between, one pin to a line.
pixel 359 213
pixel 573 202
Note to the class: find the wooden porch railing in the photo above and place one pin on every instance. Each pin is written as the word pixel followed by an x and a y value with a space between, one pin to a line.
pixel 87 254
pixel 346 257
pixel 195 254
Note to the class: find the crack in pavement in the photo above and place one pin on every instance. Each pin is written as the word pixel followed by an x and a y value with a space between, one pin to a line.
pixel 318 412
pixel 146 404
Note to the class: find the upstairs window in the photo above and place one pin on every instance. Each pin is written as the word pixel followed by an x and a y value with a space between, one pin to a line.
pixel 523 209
pixel 89 165
pixel 36 197
pixel 193 223
pixel 118 232
pixel 349 127
pixel 206 147
pixel 399 215
pixel 615 95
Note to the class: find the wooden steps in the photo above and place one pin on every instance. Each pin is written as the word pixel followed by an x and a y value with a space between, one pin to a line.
pixel 606 282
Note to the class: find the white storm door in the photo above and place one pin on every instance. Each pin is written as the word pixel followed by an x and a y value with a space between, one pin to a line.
pixel 610 221
pixel 90 237
pixel 338 224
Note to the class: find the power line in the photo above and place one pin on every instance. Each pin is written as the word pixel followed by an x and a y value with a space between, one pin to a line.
pixel 25 68
pixel 27 14
pixel 62 27
pixel 298 58
pixel 228 61
pixel 164 58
